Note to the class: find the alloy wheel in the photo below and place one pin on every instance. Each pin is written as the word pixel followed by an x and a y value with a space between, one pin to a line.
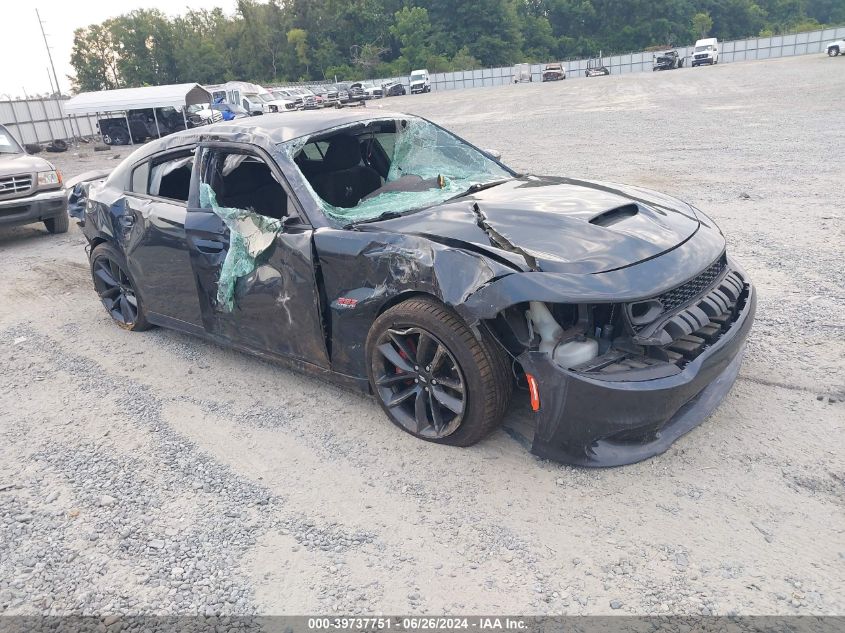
pixel 116 291
pixel 420 382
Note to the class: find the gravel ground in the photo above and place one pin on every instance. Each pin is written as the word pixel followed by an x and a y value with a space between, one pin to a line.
pixel 156 473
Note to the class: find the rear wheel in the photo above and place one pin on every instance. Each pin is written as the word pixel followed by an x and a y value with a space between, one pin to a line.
pixel 58 224
pixel 833 51
pixel 433 377
pixel 116 288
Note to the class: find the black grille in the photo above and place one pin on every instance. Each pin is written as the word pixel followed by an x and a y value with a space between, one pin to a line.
pixel 688 291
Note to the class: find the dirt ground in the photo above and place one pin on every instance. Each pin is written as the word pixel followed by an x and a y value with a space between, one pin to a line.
pixel 156 473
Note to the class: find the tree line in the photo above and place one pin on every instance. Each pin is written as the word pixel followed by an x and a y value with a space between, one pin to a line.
pixel 304 40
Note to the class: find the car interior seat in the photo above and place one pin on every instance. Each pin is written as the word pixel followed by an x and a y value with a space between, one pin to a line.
pixel 345 180
pixel 252 186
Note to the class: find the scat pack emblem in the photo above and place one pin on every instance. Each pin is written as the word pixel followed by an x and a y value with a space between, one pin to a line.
pixel 345 303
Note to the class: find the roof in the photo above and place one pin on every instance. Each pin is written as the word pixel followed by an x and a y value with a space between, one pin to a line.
pixel 285 126
pixel 173 95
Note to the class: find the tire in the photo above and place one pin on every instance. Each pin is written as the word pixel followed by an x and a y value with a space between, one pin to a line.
pixel 58 224
pixel 120 137
pixel 479 380
pixel 833 51
pixel 58 145
pixel 116 288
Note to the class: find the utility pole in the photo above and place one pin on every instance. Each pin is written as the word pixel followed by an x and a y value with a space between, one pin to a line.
pixel 49 55
pixel 58 93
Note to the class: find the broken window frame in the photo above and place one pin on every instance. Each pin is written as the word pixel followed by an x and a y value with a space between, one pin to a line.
pixel 296 215
pixel 236 266
pixel 153 162
pixel 160 170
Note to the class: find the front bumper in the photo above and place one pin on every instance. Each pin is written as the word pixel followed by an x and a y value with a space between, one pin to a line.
pixel 594 422
pixel 34 208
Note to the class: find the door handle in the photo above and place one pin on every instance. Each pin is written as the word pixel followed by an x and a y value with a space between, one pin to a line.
pixel 210 247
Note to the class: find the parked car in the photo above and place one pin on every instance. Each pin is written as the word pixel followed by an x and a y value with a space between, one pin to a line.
pixel 281 101
pixel 202 114
pixel 290 99
pixel 145 123
pixel 420 81
pixel 371 91
pixel 554 72
pixel 836 48
pixel 522 73
pixel 350 93
pixel 242 93
pixel 393 89
pixel 30 188
pixel 667 60
pixel 618 307
pixel 596 67
pixel 706 51
pixel 309 99
pixel 215 112
pixel 328 94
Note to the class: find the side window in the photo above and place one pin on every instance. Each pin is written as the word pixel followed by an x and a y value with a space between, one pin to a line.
pixel 171 177
pixel 315 150
pixel 140 178
pixel 244 181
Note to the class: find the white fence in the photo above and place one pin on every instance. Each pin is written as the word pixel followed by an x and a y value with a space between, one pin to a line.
pixel 812 42
pixel 43 120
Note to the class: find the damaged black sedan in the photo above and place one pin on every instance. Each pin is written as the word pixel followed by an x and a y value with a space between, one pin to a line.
pixel 385 253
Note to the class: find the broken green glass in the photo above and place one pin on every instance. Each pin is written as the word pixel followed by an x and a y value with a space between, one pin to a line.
pixel 250 235
pixel 420 149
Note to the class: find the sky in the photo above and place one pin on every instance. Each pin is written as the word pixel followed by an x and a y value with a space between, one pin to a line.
pixel 24 66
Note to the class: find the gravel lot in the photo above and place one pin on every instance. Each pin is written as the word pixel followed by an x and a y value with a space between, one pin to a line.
pixel 156 473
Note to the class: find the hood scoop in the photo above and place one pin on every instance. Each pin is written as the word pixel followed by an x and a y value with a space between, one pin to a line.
pixel 613 216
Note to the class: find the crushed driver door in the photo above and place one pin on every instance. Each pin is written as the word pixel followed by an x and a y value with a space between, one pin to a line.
pixel 252 255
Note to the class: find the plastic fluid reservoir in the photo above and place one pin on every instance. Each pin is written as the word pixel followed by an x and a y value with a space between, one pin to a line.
pixel 575 352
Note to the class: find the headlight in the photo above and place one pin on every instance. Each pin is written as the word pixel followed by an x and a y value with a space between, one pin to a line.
pixel 49 178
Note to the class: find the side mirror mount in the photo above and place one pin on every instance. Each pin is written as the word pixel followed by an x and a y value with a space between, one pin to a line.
pixel 494 153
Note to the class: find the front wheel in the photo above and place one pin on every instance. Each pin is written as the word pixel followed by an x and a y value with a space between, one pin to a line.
pixel 58 224
pixel 433 377
pixel 833 51
pixel 116 288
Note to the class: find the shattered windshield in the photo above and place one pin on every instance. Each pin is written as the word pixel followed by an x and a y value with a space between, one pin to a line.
pixel 362 171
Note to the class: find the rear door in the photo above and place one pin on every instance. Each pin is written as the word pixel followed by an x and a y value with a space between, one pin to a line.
pixel 273 305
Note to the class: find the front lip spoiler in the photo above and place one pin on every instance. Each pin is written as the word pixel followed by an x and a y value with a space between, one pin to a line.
pixel 581 419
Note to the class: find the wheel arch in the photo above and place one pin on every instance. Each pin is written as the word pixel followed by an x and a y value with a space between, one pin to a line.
pixel 405 295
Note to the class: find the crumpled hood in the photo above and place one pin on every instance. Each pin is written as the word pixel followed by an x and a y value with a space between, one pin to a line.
pixel 560 224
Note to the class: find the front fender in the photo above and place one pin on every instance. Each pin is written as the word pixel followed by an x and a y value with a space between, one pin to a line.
pixel 363 273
